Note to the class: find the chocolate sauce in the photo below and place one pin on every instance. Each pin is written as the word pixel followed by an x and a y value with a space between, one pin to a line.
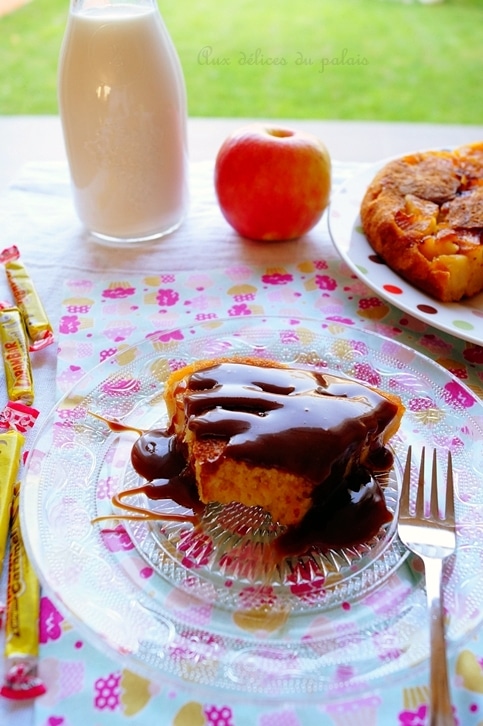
pixel 157 455
pixel 180 489
pixel 350 516
pixel 295 420
pixel 307 423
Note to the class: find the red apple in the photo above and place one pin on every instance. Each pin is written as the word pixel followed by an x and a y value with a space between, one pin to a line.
pixel 272 183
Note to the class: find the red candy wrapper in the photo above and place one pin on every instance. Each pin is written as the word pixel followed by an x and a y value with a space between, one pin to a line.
pixel 28 302
pixel 18 416
pixel 21 625
pixel 22 682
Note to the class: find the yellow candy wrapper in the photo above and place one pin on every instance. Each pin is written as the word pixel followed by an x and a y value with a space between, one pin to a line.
pixel 22 616
pixel 28 302
pixel 16 359
pixel 11 443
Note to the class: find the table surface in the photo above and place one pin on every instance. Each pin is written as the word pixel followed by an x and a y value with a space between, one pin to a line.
pixel 39 139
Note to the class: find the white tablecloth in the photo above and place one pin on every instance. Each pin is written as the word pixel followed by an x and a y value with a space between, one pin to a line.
pixel 37 216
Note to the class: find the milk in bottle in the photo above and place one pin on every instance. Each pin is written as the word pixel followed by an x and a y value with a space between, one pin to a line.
pixel 122 104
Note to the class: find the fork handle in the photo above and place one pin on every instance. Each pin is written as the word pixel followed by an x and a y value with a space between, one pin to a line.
pixel 441 712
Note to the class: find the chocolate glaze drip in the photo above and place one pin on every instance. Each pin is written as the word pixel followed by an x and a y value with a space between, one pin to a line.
pixel 158 457
pixel 294 420
pixel 179 489
pixel 351 515
pixel 298 421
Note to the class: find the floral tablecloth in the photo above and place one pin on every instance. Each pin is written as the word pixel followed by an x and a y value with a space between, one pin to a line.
pixel 102 314
pixel 102 317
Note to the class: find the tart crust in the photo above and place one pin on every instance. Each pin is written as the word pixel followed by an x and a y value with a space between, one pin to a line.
pixel 423 214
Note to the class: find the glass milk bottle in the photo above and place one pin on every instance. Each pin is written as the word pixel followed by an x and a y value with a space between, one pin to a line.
pixel 122 104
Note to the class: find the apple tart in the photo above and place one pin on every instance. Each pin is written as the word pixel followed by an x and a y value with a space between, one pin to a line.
pixel 423 214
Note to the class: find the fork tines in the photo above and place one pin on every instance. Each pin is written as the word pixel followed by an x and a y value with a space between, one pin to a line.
pixel 434 510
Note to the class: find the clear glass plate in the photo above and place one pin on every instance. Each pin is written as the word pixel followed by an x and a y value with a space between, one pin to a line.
pixel 228 556
pixel 191 606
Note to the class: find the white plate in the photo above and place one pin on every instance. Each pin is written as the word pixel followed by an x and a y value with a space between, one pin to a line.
pixel 155 599
pixel 463 319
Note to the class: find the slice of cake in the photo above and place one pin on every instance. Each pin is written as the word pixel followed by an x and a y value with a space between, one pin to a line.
pixel 302 445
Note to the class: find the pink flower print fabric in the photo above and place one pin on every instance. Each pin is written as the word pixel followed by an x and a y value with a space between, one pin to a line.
pixel 107 692
pixel 50 621
pixel 102 317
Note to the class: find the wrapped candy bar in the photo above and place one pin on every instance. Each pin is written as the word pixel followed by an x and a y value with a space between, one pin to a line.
pixel 11 443
pixel 16 359
pixel 22 589
pixel 15 421
pixel 21 626
pixel 28 302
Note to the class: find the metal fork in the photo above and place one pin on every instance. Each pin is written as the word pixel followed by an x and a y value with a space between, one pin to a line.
pixel 433 538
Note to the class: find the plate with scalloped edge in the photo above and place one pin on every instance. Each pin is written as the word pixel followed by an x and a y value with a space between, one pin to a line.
pixel 157 603
pixel 463 319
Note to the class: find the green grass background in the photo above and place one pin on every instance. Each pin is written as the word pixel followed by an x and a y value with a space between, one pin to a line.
pixel 327 59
